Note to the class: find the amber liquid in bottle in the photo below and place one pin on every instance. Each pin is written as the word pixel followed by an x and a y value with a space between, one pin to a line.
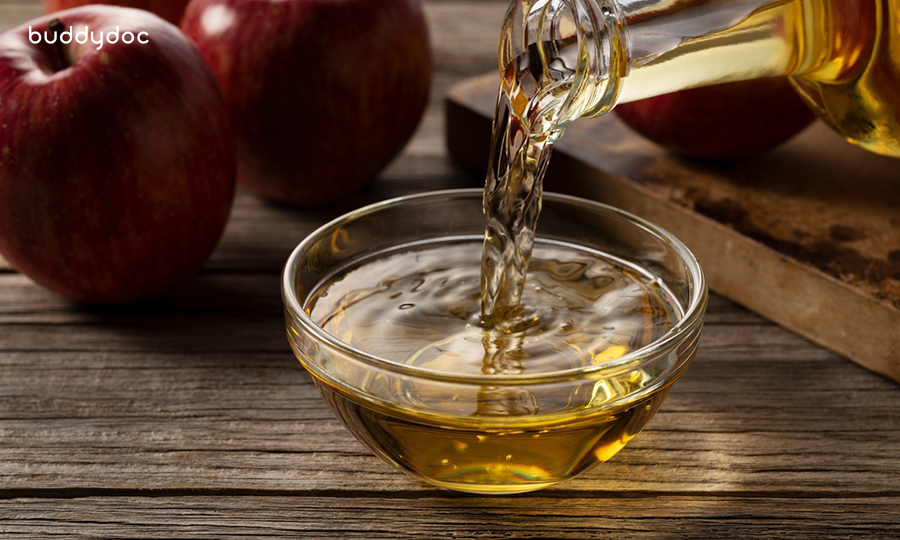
pixel 843 56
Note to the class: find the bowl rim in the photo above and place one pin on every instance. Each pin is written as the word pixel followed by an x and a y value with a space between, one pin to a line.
pixel 693 315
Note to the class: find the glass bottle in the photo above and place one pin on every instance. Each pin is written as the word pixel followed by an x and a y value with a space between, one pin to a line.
pixel 564 59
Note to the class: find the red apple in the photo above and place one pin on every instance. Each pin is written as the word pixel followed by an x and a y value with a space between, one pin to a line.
pixel 725 121
pixel 169 10
pixel 322 94
pixel 117 165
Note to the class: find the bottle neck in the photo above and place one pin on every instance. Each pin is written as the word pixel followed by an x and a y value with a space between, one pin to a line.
pixel 564 59
pixel 676 44
pixel 573 58
pixel 560 60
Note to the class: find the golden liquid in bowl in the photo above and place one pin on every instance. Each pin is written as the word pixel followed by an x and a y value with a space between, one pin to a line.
pixel 419 306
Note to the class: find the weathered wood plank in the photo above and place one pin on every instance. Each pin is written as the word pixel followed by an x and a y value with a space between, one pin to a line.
pixel 198 390
pixel 187 416
pixel 570 516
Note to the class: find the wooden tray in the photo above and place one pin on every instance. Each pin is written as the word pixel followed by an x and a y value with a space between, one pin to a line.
pixel 807 235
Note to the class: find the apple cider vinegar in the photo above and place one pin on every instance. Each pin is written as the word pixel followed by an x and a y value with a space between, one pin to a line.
pixel 563 59
pixel 507 362
pixel 843 56
pixel 420 306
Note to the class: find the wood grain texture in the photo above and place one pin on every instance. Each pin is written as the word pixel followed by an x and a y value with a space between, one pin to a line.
pixel 197 390
pixel 570 516
pixel 188 417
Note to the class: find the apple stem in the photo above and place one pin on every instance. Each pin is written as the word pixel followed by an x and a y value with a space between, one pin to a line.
pixel 56 26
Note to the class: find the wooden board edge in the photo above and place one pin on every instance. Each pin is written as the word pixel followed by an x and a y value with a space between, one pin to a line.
pixel 796 296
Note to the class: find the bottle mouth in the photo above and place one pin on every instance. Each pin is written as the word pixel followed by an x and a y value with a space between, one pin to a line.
pixel 566 58
pixel 603 44
pixel 304 333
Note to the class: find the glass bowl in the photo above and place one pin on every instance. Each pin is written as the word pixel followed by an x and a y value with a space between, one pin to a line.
pixel 504 432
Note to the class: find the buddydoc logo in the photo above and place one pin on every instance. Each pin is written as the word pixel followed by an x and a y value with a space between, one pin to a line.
pixel 84 34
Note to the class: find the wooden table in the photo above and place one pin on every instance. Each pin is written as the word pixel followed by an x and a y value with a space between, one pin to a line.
pixel 188 416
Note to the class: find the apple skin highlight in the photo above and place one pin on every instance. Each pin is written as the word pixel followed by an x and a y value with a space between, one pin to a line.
pixel 322 94
pixel 117 172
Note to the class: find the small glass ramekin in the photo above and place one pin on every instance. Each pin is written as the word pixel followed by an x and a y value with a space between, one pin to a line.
pixel 439 426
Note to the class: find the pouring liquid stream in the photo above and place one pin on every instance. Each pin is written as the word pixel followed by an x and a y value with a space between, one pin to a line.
pixel 564 59
pixel 463 306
